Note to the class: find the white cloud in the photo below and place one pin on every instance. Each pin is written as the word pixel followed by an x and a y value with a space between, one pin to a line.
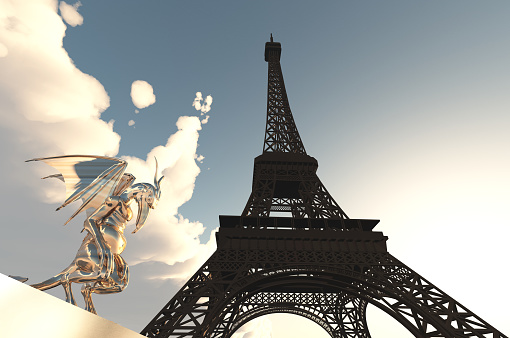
pixel 3 50
pixel 206 106
pixel 172 237
pixel 197 101
pixel 70 13
pixel 49 107
pixel 200 158
pixel 181 271
pixel 208 102
pixel 257 328
pixel 205 120
pixel 131 123
pixel 142 94
pixel 136 111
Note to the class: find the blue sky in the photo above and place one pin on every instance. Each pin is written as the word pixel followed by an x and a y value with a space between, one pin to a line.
pixel 404 104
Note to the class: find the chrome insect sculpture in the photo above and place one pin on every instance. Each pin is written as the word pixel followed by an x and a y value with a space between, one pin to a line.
pixel 107 193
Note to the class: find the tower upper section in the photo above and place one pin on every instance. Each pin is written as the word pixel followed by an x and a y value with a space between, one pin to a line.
pixel 284 176
pixel 281 135
pixel 273 51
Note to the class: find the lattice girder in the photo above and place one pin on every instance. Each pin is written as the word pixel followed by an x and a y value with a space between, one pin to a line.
pixel 214 297
pixel 281 131
pixel 289 183
pixel 340 315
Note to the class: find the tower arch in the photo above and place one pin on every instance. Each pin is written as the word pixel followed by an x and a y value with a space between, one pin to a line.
pixel 341 311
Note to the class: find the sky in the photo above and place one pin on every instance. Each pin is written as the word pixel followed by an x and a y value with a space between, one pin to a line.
pixel 404 104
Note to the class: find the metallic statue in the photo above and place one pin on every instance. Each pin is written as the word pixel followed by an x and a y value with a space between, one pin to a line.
pixel 107 193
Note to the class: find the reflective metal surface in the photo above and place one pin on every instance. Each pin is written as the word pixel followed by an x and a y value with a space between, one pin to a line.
pixel 104 188
pixel 19 278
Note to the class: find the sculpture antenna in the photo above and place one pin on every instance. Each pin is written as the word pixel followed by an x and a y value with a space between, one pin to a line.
pixel 156 183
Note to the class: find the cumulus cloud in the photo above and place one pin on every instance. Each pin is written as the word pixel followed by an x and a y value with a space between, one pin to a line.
pixel 48 107
pixel 207 104
pixel 257 328
pixel 173 238
pixel 70 13
pixel 131 123
pixel 3 50
pixel 181 271
pixel 203 107
pixel 142 94
pixel 197 102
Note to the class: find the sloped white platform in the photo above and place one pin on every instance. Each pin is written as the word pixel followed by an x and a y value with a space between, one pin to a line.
pixel 27 312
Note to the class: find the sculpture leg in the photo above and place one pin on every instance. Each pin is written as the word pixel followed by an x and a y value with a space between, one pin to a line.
pixel 118 280
pixel 56 280
pixel 84 267
pixel 69 292
pixel 48 284
pixel 60 279
pixel 87 263
pixel 87 296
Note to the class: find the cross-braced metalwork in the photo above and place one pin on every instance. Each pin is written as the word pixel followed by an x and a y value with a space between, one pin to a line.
pixel 284 176
pixel 318 263
pixel 315 274
pixel 286 182
pixel 281 132
pixel 339 314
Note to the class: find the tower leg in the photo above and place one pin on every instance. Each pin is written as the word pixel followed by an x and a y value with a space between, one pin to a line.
pixel 350 314
pixel 250 276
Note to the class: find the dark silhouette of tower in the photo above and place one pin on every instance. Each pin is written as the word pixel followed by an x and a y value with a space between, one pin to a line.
pixel 318 263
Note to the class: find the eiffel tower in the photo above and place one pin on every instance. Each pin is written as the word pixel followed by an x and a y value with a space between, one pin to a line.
pixel 318 263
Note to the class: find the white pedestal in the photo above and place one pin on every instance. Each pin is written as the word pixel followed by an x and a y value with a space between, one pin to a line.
pixel 27 312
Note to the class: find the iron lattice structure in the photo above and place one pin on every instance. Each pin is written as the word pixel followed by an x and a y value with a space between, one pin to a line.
pixel 284 176
pixel 282 135
pixel 318 263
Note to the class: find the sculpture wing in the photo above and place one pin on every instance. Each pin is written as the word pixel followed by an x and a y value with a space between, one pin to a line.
pixel 91 178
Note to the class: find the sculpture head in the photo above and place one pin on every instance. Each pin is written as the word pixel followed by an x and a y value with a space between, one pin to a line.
pixel 147 197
